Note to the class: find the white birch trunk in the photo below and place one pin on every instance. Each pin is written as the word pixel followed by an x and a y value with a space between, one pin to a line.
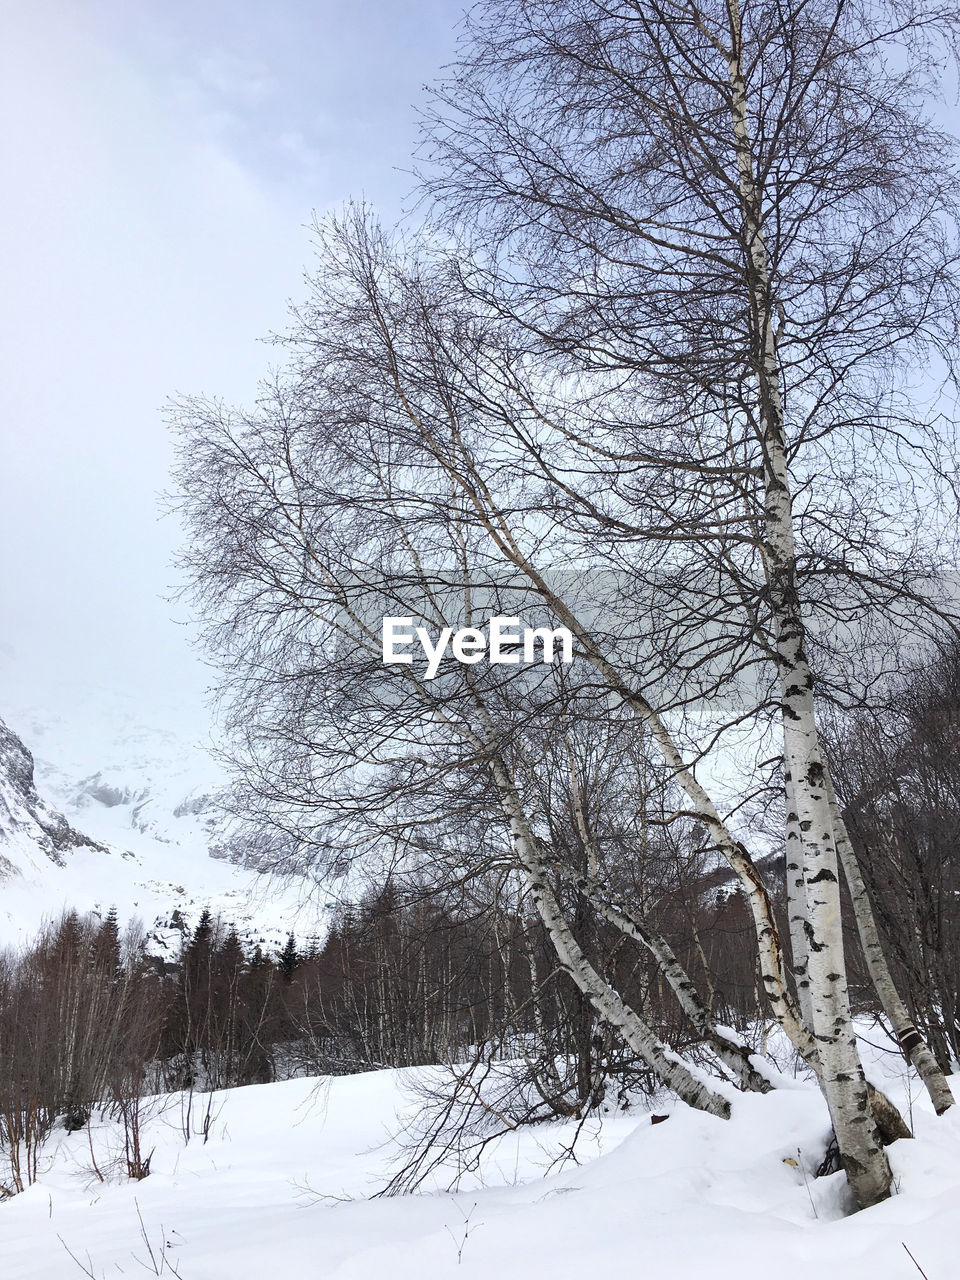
pixel 732 1052
pixel 666 1065
pixel 796 903
pixel 841 1076
pixel 769 946
pixel 914 1047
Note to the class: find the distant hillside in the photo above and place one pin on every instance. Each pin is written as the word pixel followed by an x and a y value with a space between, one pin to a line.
pixel 28 825
pixel 116 813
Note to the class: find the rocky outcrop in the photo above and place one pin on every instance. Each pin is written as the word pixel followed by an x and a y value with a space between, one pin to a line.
pixel 25 818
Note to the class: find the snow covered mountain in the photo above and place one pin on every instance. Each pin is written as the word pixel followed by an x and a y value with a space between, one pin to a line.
pixel 99 809
pixel 29 827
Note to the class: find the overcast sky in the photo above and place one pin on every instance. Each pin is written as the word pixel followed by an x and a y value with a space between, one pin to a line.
pixel 160 159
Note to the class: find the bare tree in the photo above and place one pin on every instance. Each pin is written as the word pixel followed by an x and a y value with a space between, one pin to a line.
pixel 439 744
pixel 743 210
pixel 707 244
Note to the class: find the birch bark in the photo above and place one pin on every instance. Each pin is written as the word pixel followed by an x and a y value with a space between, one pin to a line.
pixel 670 1069
pixel 914 1047
pixel 796 901
pixel 842 1079
pixel 732 1052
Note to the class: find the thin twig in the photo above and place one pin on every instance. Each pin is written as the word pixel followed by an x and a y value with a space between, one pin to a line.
pixel 915 1262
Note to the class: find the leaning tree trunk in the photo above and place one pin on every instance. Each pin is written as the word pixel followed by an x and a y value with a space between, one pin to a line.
pixel 769 946
pixel 841 1076
pixel 736 1056
pixel 914 1047
pixel 847 1094
pixel 732 1052
pixel 662 1061
pixel 829 1046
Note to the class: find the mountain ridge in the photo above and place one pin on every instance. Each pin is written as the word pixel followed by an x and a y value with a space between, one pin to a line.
pixel 105 812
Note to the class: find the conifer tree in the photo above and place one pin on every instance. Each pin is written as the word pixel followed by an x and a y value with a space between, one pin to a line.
pixel 289 959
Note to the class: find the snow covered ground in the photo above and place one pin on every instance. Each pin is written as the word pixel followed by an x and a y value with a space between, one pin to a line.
pixel 283 1187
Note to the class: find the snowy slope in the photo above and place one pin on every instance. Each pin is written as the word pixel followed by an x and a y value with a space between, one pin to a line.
pixel 31 832
pixel 283 1187
pixel 140 801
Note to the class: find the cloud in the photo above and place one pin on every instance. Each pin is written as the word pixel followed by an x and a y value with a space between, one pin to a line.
pixel 235 78
pixel 143 258
pixel 161 160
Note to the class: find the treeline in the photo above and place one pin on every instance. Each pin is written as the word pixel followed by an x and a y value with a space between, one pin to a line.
pixel 90 1018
